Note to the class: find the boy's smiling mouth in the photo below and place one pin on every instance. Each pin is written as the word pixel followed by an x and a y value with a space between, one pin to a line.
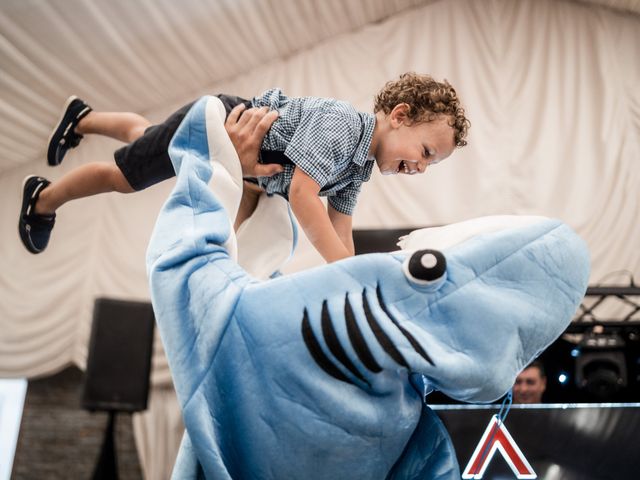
pixel 404 167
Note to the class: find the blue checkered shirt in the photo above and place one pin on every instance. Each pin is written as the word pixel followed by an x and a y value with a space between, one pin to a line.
pixel 328 139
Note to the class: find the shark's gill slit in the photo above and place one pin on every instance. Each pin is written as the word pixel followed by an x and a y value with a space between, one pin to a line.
pixel 332 341
pixel 357 339
pixel 384 341
pixel 316 352
pixel 414 343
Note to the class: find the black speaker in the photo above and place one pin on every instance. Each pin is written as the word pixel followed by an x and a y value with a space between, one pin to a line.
pixel 378 240
pixel 119 361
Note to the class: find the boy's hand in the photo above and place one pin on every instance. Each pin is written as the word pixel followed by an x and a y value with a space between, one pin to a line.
pixel 246 133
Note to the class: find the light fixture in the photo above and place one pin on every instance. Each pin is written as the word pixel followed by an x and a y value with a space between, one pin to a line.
pixel 601 367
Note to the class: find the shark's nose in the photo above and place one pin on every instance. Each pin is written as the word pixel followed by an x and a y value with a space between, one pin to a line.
pixel 426 267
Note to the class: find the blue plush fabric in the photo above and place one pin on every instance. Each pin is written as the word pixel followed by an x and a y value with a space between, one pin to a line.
pixel 313 375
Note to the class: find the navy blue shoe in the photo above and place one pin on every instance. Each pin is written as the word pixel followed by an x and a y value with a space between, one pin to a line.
pixel 34 229
pixel 63 136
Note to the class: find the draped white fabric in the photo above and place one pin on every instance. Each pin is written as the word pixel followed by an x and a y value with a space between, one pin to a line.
pixel 159 49
pixel 158 432
pixel 552 91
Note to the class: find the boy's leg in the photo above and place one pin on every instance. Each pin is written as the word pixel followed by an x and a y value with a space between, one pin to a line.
pixel 248 203
pixel 84 181
pixel 94 178
pixel 141 163
pixel 123 126
pixel 40 199
pixel 78 119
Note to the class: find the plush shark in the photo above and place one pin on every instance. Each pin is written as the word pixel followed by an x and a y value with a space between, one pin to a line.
pixel 323 374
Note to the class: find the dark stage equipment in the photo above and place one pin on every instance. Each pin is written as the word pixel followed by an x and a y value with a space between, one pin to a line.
pixel 375 241
pixel 597 359
pixel 118 368
pixel 568 441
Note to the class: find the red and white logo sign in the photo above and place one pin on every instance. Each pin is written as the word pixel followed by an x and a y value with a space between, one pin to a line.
pixel 497 437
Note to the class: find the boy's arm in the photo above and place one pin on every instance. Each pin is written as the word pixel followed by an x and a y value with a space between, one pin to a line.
pixel 343 226
pixel 314 219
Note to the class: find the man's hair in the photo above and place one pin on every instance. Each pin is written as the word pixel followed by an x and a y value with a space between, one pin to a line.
pixel 537 364
pixel 427 100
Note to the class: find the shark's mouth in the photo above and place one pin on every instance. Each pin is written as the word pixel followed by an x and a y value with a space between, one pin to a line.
pixel 357 338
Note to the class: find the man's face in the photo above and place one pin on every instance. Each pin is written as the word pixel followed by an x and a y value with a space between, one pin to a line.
pixel 529 386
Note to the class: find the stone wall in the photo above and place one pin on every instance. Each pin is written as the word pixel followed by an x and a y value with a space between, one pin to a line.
pixel 59 440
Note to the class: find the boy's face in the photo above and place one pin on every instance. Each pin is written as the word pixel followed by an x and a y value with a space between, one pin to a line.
pixel 409 148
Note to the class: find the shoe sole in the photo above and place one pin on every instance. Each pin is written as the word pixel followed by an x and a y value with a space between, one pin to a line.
pixel 26 240
pixel 57 127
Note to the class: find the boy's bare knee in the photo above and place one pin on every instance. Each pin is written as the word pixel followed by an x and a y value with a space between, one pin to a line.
pixel 137 128
pixel 122 185
pixel 118 180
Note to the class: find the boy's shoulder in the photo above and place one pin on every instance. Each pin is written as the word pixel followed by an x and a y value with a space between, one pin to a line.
pixel 333 120
pixel 275 98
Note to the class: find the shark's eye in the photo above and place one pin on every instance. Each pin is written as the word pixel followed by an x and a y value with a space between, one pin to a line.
pixel 426 267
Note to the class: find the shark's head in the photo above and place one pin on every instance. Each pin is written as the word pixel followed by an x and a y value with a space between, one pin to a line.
pixel 467 305
pixel 482 298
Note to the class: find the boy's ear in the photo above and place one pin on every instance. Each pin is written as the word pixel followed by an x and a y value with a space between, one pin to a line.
pixel 400 114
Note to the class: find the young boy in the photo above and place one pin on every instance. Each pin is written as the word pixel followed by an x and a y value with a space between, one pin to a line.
pixel 326 147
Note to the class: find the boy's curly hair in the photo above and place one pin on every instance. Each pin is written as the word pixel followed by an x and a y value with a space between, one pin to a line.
pixel 427 100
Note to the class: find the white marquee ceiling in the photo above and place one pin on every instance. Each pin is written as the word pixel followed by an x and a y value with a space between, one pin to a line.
pixel 141 54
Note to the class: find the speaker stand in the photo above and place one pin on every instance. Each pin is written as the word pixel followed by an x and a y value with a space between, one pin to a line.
pixel 107 467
